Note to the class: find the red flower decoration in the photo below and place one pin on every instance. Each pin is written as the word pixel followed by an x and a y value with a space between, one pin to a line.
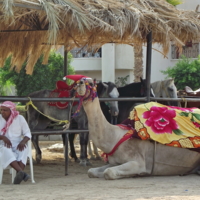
pixel 160 119
pixel 197 125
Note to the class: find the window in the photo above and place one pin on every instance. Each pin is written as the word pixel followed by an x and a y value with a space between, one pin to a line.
pixel 190 50
pixel 80 53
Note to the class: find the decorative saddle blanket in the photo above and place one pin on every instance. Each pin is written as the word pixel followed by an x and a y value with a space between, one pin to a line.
pixel 62 90
pixel 169 125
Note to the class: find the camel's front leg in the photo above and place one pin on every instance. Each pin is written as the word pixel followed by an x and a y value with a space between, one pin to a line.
pixel 98 172
pixel 129 169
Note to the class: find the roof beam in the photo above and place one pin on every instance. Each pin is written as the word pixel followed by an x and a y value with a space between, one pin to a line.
pixel 28 30
pixel 34 6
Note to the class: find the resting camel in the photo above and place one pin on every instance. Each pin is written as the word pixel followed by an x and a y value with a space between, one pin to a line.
pixel 134 157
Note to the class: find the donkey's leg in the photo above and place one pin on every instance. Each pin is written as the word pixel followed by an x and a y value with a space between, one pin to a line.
pixel 42 124
pixel 72 152
pixel 83 153
pixel 32 118
pixel 72 148
pixel 38 153
pixel 83 138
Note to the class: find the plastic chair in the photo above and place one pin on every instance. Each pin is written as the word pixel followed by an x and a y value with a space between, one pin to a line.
pixel 13 171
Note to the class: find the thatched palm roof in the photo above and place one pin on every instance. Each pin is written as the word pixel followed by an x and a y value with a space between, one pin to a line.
pixel 29 28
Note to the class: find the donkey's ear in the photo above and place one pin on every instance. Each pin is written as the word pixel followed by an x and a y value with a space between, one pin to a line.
pixel 142 80
pixel 105 84
pixel 101 88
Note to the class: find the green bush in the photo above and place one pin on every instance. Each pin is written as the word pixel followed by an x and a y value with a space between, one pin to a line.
pixel 121 81
pixel 43 77
pixel 186 72
pixel 21 110
pixel 175 2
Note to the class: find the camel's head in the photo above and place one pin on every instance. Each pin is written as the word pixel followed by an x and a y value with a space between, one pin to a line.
pixel 84 86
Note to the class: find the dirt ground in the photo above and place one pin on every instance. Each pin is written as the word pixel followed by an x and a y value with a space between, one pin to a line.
pixel 51 183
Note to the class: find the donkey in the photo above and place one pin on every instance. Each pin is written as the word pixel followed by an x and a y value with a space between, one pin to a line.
pixel 137 89
pixel 165 89
pixel 37 121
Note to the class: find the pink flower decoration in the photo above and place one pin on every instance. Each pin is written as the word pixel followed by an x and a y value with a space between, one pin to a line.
pixel 197 125
pixel 183 109
pixel 160 119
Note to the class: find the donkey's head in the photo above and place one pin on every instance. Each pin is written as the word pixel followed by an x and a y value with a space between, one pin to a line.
pixel 143 89
pixel 109 90
pixel 166 89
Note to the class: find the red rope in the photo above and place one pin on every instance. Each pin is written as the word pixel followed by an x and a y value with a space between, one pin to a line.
pixel 127 136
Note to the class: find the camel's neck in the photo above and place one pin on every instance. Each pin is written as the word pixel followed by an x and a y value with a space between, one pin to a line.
pixel 103 134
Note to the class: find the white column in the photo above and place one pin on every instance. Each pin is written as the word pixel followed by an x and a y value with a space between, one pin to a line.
pixel 108 62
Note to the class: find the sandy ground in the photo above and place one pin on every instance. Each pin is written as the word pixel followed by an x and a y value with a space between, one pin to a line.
pixel 51 183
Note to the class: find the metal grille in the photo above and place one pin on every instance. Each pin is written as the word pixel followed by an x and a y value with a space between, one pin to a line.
pixel 81 53
pixel 188 51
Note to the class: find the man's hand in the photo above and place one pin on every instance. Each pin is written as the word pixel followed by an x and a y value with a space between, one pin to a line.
pixel 7 142
pixel 21 146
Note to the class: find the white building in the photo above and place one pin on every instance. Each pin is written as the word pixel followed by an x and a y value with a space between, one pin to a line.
pixel 118 60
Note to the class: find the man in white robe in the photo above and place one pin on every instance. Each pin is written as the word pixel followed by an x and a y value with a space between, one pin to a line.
pixel 14 135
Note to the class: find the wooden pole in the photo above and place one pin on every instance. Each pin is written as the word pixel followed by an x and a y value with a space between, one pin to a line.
pixel 65 61
pixel 148 65
pixel 66 135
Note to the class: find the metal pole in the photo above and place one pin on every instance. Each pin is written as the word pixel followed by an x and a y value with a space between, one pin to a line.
pixel 66 154
pixel 65 61
pixel 66 135
pixel 148 65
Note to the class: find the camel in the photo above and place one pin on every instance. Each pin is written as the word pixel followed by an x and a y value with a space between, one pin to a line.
pixel 134 157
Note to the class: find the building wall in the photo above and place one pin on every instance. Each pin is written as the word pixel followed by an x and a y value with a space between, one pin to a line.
pixel 87 64
pixel 189 4
pixel 159 62
pixel 118 60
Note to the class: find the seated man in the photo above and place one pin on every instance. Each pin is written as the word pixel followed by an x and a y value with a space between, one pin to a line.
pixel 14 134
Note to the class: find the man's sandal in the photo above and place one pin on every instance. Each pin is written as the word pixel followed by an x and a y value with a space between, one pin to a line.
pixel 26 177
pixel 19 177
